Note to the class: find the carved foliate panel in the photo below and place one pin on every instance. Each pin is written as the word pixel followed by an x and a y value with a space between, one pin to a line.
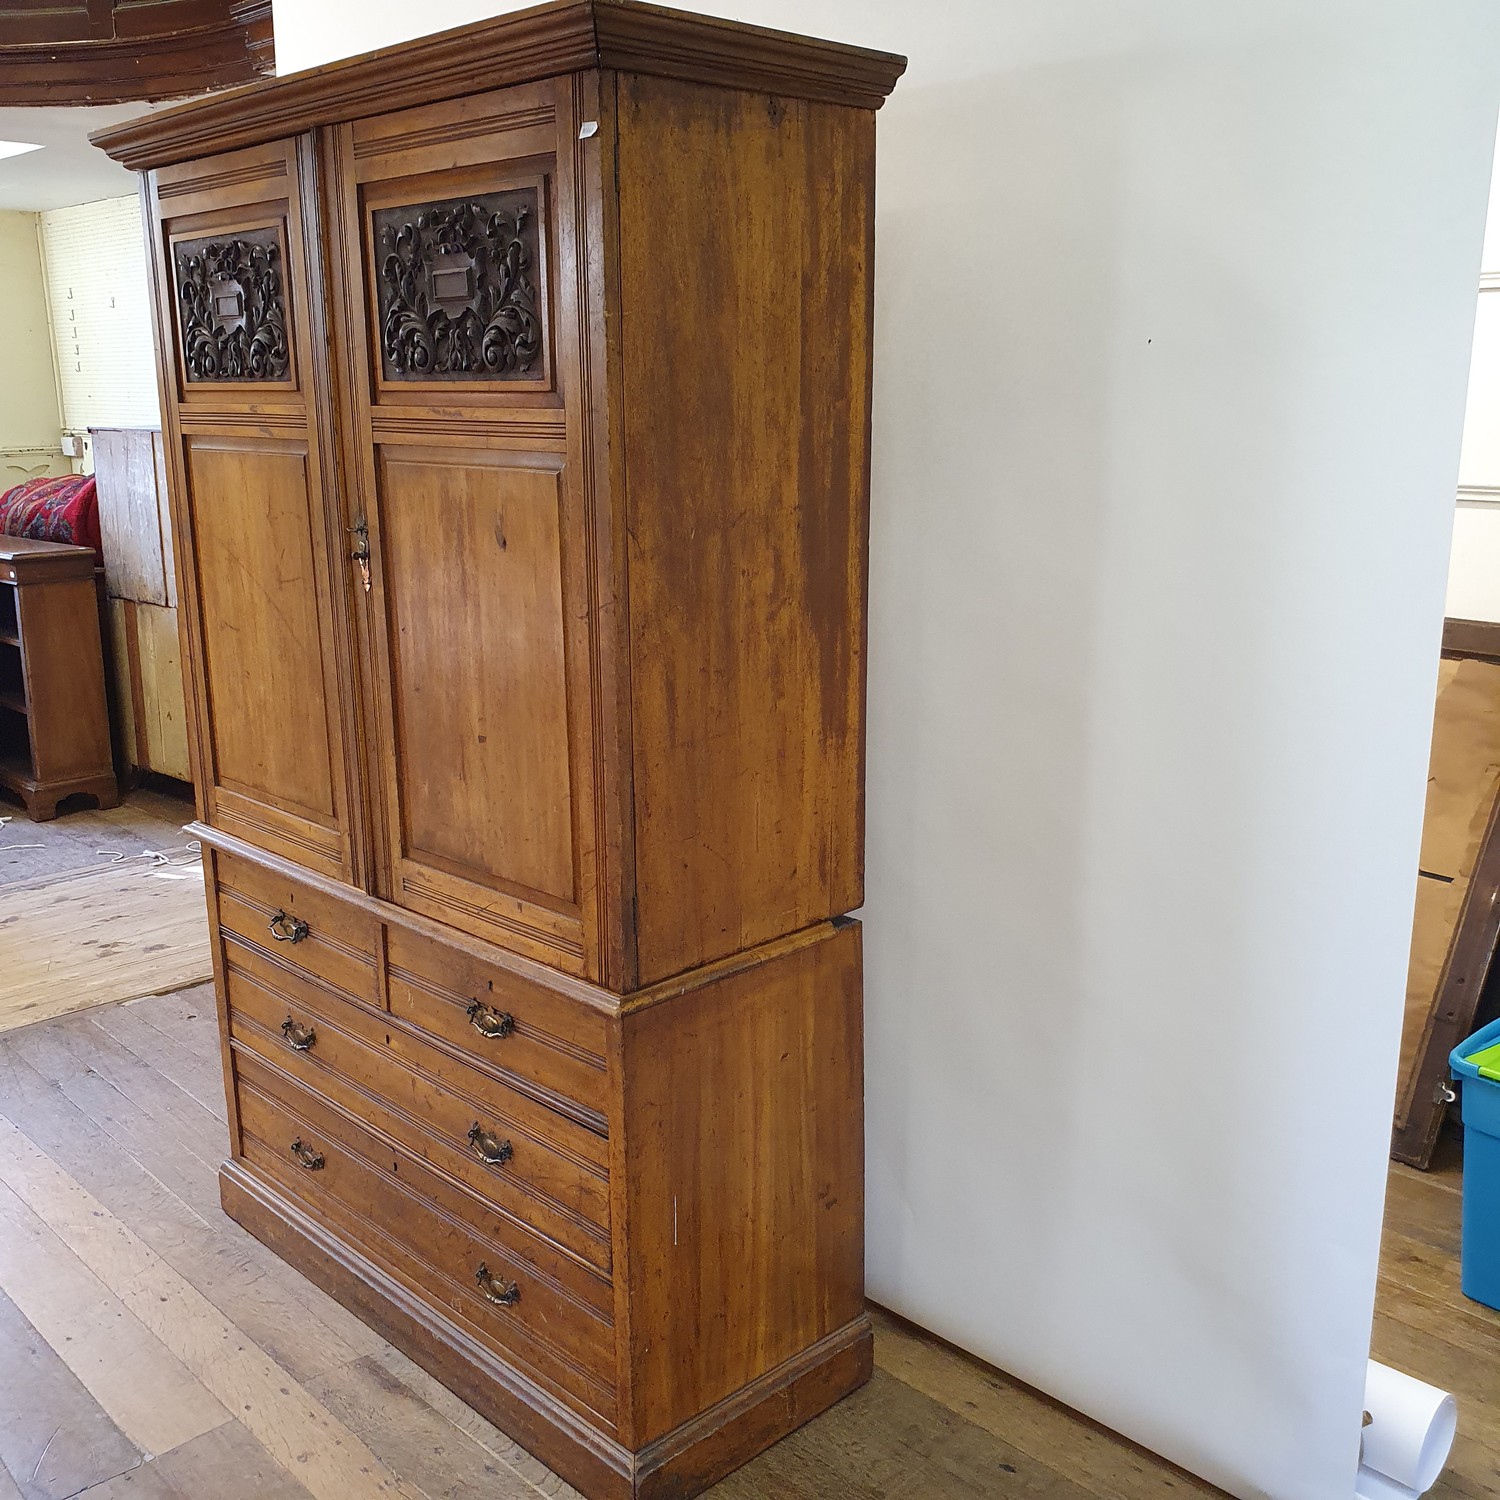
pixel 459 288
pixel 231 298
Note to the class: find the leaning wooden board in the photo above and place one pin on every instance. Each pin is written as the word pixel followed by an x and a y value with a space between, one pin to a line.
pixel 147 664
pixel 1453 934
pixel 142 617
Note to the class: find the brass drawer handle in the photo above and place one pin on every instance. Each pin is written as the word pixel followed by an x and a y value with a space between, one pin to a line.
pixel 491 1023
pixel 300 1037
pixel 288 929
pixel 306 1156
pixel 490 1148
pixel 501 1293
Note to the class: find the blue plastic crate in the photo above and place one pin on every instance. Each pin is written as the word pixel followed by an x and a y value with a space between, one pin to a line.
pixel 1481 1112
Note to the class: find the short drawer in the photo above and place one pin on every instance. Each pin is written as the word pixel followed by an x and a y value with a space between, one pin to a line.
pixel 301 926
pixel 536 1165
pixel 500 1021
pixel 501 1284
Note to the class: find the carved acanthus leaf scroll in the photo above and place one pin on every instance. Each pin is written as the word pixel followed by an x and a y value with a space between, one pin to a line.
pixel 232 299
pixel 458 289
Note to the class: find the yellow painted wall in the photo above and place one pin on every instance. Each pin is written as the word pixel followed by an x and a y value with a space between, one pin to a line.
pixel 30 427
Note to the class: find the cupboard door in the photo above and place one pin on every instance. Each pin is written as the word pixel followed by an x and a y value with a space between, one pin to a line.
pixel 472 567
pixel 244 446
pixel 460 290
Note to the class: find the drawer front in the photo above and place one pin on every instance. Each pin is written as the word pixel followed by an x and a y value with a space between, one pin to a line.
pixel 551 1172
pixel 523 1032
pixel 301 926
pixel 379 1198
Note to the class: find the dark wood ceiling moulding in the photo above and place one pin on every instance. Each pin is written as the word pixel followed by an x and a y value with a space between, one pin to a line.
pixel 115 51
pixel 254 17
pixel 563 37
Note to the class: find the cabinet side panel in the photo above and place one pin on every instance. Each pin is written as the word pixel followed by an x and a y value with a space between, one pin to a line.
pixel 744 1129
pixel 745 256
pixel 64 669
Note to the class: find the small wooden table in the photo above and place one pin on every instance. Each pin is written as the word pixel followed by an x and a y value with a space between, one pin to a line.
pixel 54 722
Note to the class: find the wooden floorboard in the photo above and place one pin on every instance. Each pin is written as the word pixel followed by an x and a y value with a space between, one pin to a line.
pixel 148 1029
pixel 302 1435
pixel 113 1138
pixel 144 821
pixel 510 1455
pixel 92 937
pixel 55 1438
pixel 151 1350
pixel 416 1442
pixel 1093 1459
pixel 261 1294
pixel 55 1055
pixel 227 1464
pixel 145 1390
pixel 119 1145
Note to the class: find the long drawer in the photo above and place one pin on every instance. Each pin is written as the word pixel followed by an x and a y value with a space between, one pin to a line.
pixel 525 1035
pixel 504 1285
pixel 535 1164
pixel 330 939
pixel 499 1021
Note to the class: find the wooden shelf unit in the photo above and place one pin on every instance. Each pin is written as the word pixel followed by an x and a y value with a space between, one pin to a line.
pixel 54 726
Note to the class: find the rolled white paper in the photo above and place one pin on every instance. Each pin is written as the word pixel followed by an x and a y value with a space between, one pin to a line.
pixel 1373 1486
pixel 1409 1437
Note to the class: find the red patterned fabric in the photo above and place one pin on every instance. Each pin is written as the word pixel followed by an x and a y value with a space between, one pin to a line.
pixel 53 509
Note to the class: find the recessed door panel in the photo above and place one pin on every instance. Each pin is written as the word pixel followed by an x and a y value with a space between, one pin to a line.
pixel 473 570
pixel 263 644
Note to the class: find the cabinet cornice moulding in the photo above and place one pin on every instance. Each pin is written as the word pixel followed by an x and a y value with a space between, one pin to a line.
pixel 567 36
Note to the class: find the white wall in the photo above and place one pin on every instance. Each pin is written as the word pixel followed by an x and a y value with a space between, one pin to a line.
pixel 1174 305
pixel 309 34
pixel 29 430
pixel 1474 567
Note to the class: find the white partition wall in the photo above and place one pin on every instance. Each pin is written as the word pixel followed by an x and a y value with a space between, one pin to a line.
pixel 1175 302
pixel 1474 569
